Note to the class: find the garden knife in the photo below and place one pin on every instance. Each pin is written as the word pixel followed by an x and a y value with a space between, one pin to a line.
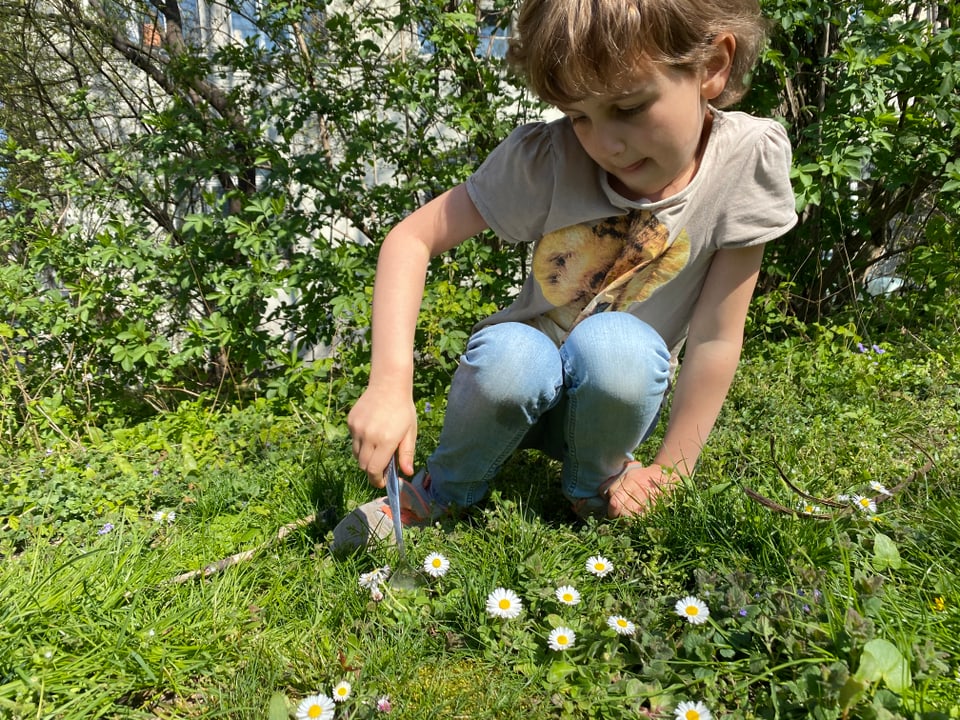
pixel 393 498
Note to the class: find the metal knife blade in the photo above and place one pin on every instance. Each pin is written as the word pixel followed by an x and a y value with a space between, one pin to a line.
pixel 393 498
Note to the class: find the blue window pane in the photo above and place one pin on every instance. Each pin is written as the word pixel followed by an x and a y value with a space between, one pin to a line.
pixel 493 38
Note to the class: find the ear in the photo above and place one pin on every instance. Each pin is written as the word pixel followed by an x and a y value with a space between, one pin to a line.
pixel 717 69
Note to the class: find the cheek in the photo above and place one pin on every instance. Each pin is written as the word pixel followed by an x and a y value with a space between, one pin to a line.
pixel 586 139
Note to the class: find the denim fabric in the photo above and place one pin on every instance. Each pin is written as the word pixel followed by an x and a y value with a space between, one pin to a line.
pixel 588 403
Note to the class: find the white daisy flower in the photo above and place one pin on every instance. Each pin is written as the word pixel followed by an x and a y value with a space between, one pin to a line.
pixel 843 497
pixel 879 488
pixel 503 603
pixel 436 565
pixel 315 707
pixel 164 516
pixel 373 579
pixel 341 691
pixel 864 503
pixel 693 609
pixel 568 595
pixel 621 625
pixel 599 565
pixel 561 638
pixel 808 508
pixel 692 711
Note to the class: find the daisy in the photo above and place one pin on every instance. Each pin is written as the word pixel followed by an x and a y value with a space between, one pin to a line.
pixel 561 638
pixel 693 609
pixel 167 516
pixel 341 691
pixel 692 711
pixel 621 625
pixel 315 707
pixel 879 488
pixel 436 565
pixel 599 565
pixel 383 704
pixel 808 508
pixel 373 579
pixel 865 503
pixel 503 603
pixel 568 595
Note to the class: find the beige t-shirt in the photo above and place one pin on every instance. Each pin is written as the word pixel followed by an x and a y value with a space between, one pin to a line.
pixel 595 250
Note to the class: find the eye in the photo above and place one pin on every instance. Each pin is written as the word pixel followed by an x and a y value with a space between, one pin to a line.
pixel 633 109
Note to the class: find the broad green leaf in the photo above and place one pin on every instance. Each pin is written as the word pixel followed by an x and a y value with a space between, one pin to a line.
pixel 885 553
pixel 278 707
pixel 881 660
pixel 558 671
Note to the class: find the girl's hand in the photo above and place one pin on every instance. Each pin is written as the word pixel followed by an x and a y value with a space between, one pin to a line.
pixel 383 422
pixel 635 490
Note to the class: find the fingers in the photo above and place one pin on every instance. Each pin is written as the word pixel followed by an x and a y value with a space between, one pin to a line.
pixel 635 492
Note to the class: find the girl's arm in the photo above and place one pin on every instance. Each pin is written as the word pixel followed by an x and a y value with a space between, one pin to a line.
pixel 384 419
pixel 710 361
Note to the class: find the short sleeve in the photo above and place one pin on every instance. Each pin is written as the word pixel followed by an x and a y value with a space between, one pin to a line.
pixel 514 187
pixel 760 206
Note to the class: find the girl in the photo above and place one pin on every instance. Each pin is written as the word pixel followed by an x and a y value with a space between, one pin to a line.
pixel 648 208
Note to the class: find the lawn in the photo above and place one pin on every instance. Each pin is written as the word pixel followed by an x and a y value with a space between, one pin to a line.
pixel 806 608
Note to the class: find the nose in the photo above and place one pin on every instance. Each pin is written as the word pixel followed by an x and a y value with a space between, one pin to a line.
pixel 608 138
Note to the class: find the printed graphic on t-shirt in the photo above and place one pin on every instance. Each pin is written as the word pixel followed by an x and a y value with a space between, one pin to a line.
pixel 586 269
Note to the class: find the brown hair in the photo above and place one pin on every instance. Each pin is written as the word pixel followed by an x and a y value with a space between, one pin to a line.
pixel 570 49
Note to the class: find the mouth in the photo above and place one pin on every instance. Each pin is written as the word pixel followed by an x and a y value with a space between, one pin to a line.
pixel 633 167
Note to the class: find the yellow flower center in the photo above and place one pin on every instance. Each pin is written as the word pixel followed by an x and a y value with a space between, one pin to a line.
pixel 315 711
pixel 562 640
pixel 865 502
pixel 599 567
pixel 436 562
pixel 693 610
pixel 567 597
pixel 504 603
pixel 621 622
pixel 691 715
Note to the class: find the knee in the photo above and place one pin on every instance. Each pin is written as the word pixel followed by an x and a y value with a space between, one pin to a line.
pixel 512 364
pixel 617 354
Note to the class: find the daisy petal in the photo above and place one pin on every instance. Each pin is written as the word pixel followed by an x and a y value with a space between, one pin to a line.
pixel 693 609
pixel 503 603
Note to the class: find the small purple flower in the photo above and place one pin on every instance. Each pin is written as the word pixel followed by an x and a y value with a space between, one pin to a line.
pixel 743 612
pixel 817 594
pixel 383 704
pixel 806 608
pixel 107 527
pixel 156 471
pixel 861 348
pixel 428 407
pixel 878 350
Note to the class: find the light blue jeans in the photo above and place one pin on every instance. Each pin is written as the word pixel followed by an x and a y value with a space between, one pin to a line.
pixel 588 404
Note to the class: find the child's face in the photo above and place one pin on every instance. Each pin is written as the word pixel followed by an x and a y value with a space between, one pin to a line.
pixel 649 139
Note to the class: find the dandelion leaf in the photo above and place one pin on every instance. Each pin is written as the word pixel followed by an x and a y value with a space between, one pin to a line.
pixel 881 660
pixel 885 553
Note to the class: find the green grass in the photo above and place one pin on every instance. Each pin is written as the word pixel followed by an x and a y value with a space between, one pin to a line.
pixel 91 626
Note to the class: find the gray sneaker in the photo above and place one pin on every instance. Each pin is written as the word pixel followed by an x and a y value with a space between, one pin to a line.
pixel 371 523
